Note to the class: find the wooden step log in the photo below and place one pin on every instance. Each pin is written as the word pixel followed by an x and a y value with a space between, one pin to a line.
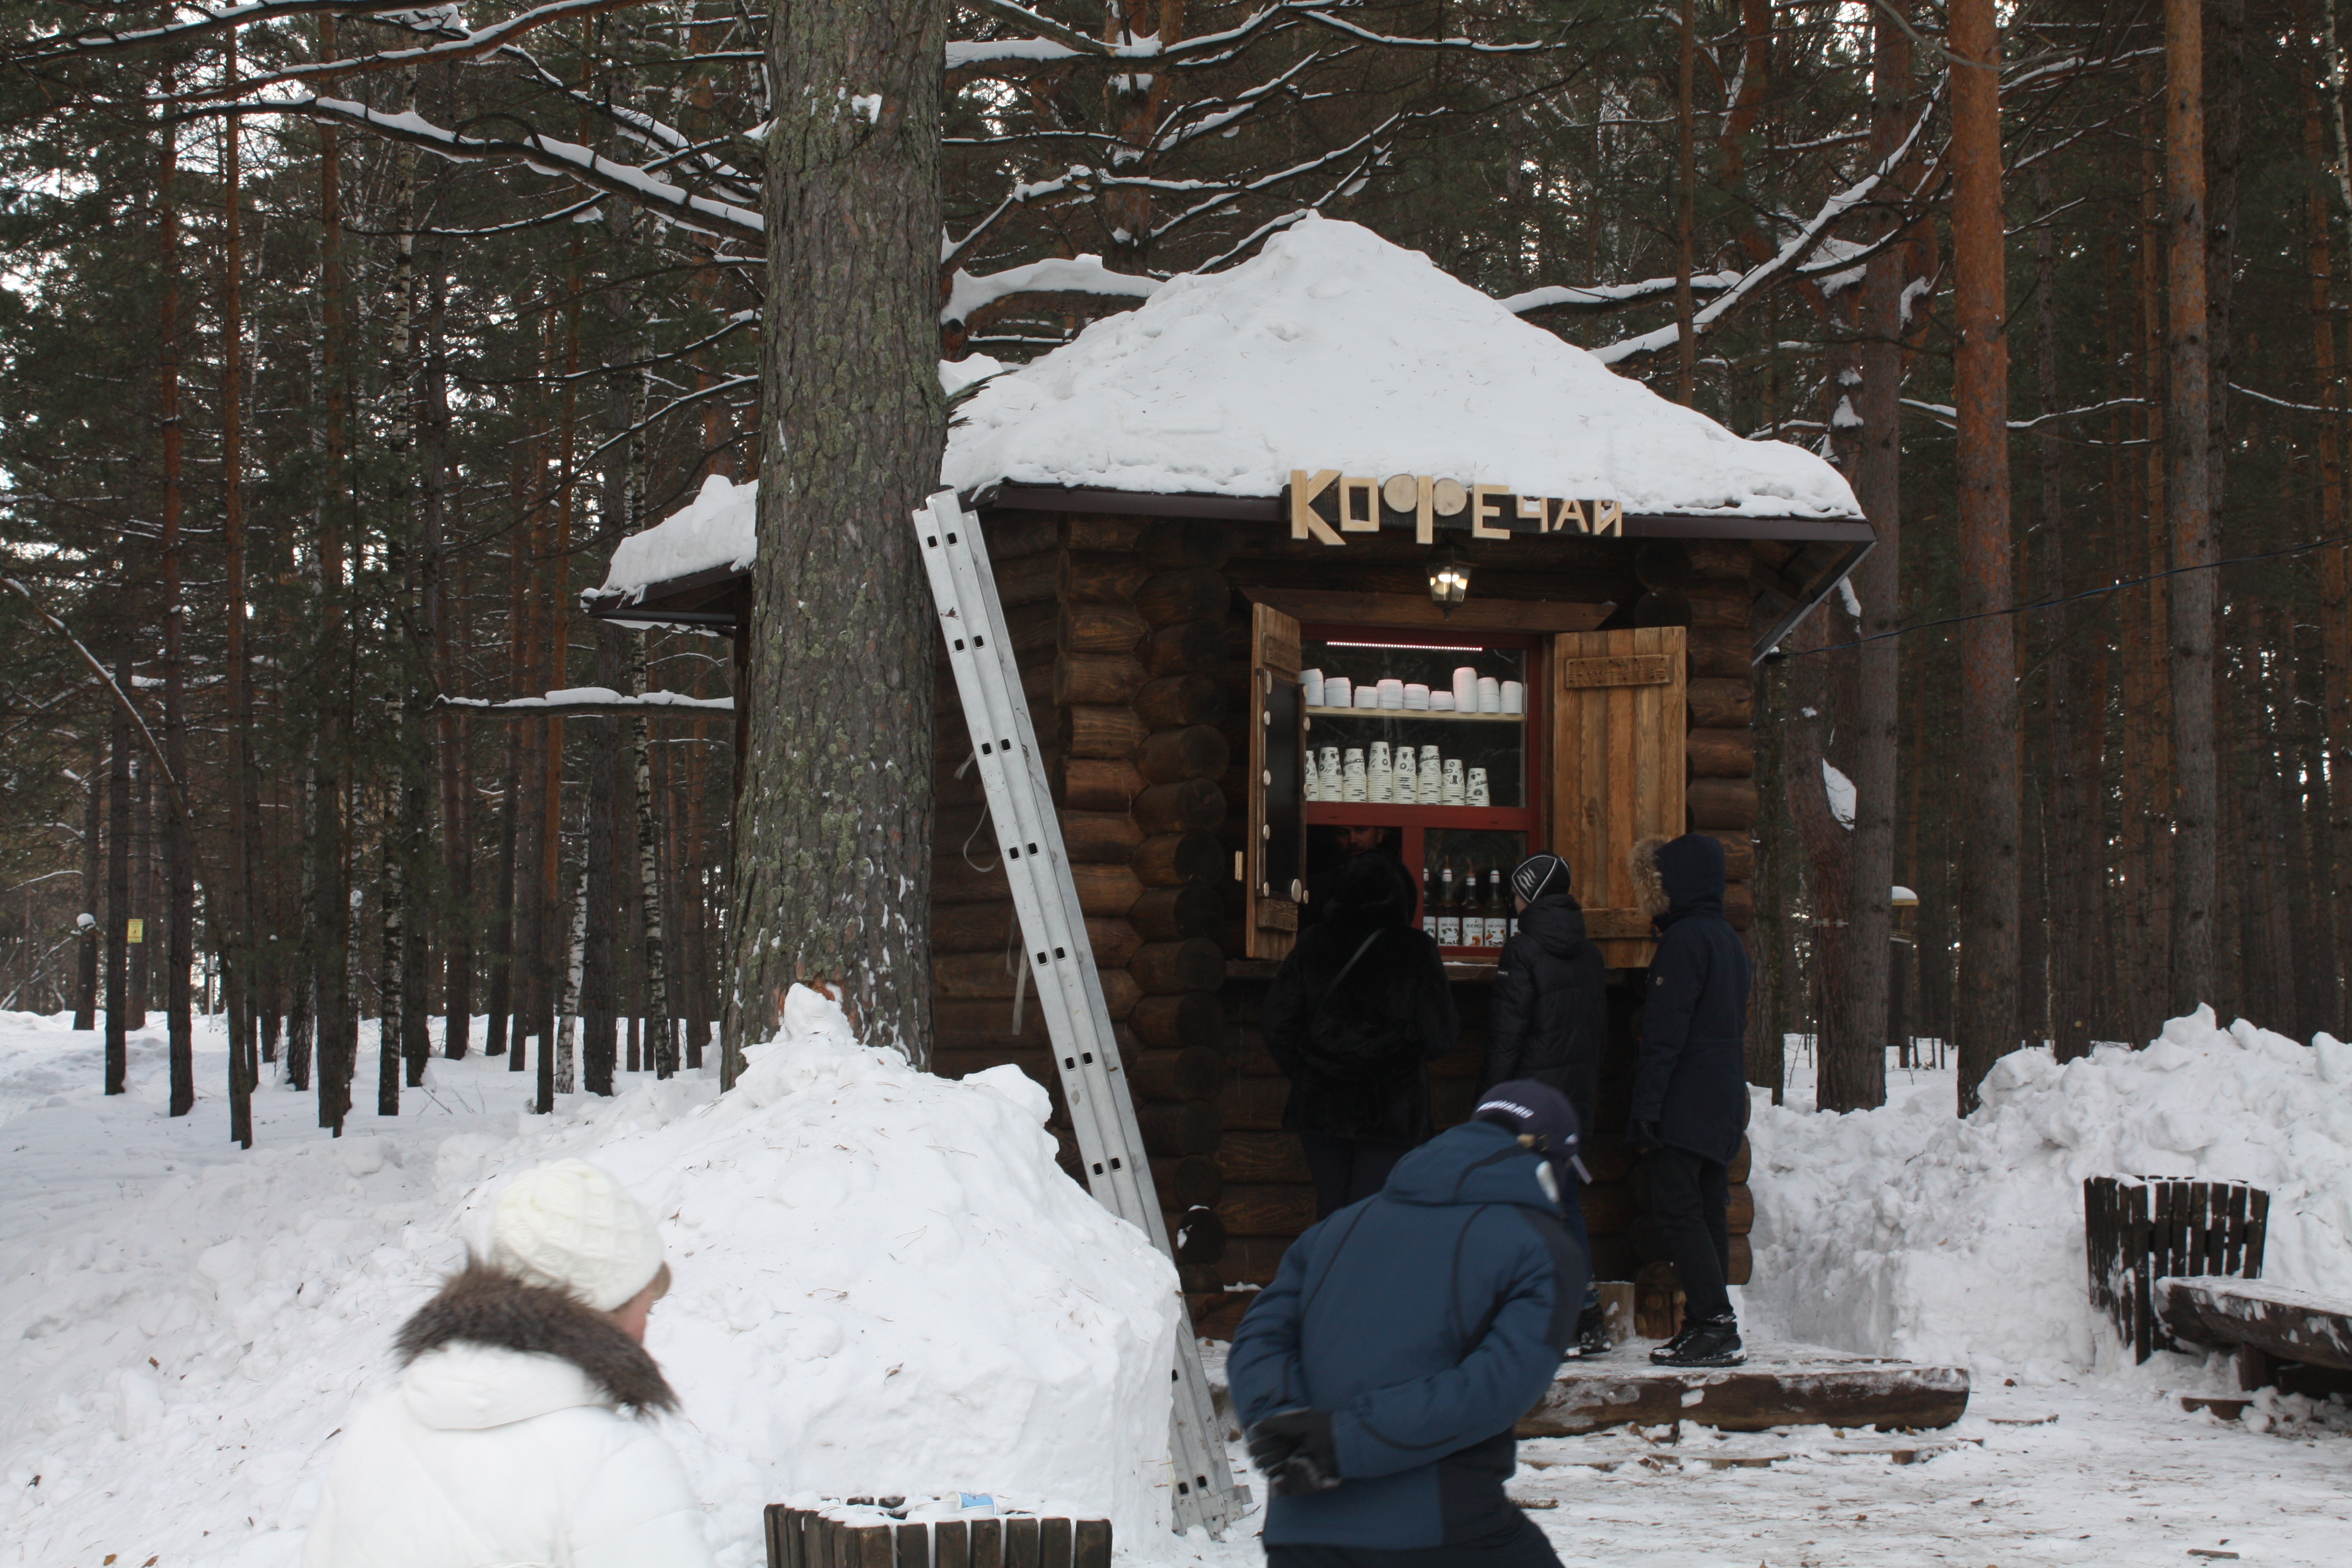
pixel 1164 968
pixel 1179 1021
pixel 1186 594
pixel 1779 1386
pixel 1194 804
pixel 1178 702
pixel 1173 859
pixel 1194 752
pixel 1185 645
pixel 1172 914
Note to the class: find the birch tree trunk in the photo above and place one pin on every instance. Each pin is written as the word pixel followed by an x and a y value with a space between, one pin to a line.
pixel 832 852
pixel 1987 1012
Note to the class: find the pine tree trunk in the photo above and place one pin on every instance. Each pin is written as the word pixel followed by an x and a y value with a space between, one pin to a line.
pixel 240 951
pixel 302 1011
pixel 2066 829
pixel 118 855
pixel 2335 565
pixel 1876 727
pixel 832 845
pixel 1770 933
pixel 661 1036
pixel 179 873
pixel 2189 509
pixel 1987 1021
pixel 338 1023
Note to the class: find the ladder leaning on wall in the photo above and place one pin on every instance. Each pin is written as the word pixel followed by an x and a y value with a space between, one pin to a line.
pixel 1062 965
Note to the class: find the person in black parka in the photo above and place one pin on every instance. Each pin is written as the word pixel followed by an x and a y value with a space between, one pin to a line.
pixel 1354 1016
pixel 1548 1020
pixel 1690 1083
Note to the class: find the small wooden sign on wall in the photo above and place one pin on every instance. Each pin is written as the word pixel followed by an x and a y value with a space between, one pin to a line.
pixel 1327 505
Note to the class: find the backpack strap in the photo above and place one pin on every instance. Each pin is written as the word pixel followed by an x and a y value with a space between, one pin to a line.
pixel 1363 949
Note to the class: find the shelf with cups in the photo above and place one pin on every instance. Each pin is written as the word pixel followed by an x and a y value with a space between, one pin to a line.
pixel 1416 715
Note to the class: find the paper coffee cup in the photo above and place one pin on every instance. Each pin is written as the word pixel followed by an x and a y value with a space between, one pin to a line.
pixel 1310 683
pixel 1416 697
pixel 1490 695
pixel 1515 696
pixel 1337 691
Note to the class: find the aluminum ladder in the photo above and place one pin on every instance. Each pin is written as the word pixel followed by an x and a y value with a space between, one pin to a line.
pixel 1062 965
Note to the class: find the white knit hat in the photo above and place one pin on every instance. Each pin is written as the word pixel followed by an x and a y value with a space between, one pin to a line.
pixel 571 1226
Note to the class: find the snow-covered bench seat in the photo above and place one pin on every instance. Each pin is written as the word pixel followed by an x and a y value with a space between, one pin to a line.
pixel 2264 1323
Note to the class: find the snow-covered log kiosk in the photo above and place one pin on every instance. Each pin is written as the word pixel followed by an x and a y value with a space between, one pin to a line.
pixel 1257 475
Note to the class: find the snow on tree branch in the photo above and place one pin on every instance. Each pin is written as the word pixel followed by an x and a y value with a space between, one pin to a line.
pixel 1079 275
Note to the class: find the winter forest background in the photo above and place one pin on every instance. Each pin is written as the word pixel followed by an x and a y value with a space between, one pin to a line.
pixel 338 344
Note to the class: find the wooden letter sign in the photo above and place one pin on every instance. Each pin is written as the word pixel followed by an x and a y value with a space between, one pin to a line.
pixel 1623 669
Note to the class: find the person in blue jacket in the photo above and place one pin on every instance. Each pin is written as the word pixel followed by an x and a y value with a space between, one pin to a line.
pixel 1380 1376
pixel 1690 1084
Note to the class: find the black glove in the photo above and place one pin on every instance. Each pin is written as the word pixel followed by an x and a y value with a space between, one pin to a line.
pixel 1292 1449
pixel 1645 1135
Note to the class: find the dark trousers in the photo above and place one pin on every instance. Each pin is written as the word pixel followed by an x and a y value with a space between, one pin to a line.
pixel 1521 1545
pixel 1347 1169
pixel 1688 1196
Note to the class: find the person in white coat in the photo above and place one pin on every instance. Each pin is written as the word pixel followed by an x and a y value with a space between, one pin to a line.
pixel 518 1437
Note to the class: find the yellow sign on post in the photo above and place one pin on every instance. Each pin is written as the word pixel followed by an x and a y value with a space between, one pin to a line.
pixel 134 930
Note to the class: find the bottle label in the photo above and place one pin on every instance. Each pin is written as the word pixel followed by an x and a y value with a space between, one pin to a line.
pixel 1449 931
pixel 1494 932
pixel 1429 922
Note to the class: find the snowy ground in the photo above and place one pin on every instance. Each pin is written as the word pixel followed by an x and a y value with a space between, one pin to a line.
pixel 125 1235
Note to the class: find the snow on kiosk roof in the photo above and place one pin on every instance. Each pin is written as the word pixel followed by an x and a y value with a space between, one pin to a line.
pixel 1333 349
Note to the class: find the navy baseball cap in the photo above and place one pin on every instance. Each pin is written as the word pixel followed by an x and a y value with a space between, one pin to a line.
pixel 1538 1115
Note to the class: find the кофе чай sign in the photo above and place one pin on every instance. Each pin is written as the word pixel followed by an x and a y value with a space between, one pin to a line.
pixel 1327 504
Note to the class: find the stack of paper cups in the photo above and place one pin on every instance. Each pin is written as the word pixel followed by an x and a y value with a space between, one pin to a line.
pixel 1367 697
pixel 1473 791
pixel 1336 691
pixel 1393 694
pixel 1450 788
pixel 1311 684
pixel 1465 689
pixel 1441 702
pixel 1332 788
pixel 1376 774
pixel 1352 775
pixel 1416 697
pixel 1314 779
pixel 1404 786
pixel 1490 695
pixel 1515 696
pixel 1429 775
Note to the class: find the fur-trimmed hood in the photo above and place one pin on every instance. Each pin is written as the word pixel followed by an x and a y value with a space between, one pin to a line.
pixel 1677 876
pixel 482 1305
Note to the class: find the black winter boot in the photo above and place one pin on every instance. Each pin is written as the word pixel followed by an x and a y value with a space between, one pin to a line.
pixel 1704 1342
pixel 1591 1333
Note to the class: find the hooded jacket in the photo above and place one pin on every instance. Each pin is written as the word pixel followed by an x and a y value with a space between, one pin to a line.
pixel 1355 1039
pixel 1691 1076
pixel 1547 1018
pixel 502 1446
pixel 1427 1320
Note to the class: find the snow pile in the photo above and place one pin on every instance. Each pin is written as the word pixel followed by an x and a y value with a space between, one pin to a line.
pixel 1334 348
pixel 884 1285
pixel 1904 1231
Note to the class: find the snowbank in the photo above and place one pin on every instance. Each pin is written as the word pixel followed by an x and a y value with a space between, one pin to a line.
pixel 884 1284
pixel 1905 1231
pixel 717 528
pixel 1334 348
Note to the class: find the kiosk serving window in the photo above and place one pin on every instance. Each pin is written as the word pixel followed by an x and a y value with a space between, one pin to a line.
pixel 1457 753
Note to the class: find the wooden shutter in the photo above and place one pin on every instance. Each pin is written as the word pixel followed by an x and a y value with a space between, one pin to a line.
pixel 1618 726
pixel 1274 871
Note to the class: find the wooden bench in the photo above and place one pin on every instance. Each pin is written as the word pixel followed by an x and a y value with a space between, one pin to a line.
pixel 2278 1332
pixel 1780 1386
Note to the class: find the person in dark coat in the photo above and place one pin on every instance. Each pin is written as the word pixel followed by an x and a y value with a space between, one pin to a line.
pixel 1354 1019
pixel 1548 1020
pixel 1380 1376
pixel 1690 1083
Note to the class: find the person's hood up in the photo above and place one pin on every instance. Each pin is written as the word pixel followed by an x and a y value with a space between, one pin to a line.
pixel 1676 877
pixel 1476 1162
pixel 490 1349
pixel 1373 892
pixel 466 1386
pixel 1554 923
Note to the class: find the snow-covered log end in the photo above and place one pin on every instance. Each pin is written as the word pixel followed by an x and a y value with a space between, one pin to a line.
pixel 1902 1231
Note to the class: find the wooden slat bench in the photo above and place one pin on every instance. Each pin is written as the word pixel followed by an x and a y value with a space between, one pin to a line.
pixel 2265 1324
pixel 1780 1386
